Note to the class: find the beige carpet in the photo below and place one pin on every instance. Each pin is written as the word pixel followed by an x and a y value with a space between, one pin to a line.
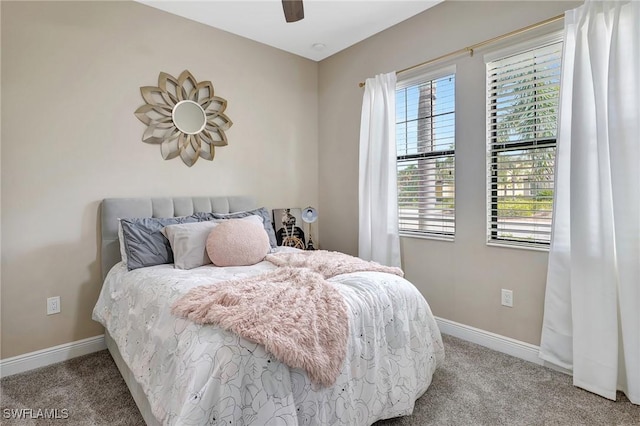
pixel 475 386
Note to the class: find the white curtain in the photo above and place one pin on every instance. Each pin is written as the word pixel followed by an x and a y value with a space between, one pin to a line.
pixel 592 306
pixel 378 238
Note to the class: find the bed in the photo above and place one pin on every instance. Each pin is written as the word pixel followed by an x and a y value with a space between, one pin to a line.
pixel 182 373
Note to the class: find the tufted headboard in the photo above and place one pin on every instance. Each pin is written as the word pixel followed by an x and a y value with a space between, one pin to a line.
pixel 113 209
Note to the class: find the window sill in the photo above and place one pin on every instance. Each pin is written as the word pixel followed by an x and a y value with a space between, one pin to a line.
pixel 517 246
pixel 421 236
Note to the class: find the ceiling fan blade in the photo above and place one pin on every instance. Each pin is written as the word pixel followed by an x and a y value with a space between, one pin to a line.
pixel 293 10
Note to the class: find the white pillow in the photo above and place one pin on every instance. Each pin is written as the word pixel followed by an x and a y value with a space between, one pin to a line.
pixel 123 250
pixel 189 241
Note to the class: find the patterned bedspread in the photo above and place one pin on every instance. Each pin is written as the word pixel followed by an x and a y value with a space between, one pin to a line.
pixel 196 375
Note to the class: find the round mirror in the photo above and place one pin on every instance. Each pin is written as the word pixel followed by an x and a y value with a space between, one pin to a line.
pixel 189 117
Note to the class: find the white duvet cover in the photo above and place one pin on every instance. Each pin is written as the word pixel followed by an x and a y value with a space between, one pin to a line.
pixel 202 375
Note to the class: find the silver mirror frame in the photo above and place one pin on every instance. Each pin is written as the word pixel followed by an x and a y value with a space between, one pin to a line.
pixel 159 115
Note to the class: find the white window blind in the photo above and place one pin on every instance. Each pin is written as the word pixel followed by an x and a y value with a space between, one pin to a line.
pixel 425 140
pixel 522 121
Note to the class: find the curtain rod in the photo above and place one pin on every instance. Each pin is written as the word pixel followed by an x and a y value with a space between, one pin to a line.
pixel 471 48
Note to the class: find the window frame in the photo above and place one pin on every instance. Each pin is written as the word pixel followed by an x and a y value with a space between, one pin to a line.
pixel 413 78
pixel 490 162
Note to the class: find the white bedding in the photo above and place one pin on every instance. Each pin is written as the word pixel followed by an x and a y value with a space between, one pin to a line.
pixel 196 375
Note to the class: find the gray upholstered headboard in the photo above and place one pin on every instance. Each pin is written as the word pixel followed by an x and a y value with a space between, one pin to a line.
pixel 116 208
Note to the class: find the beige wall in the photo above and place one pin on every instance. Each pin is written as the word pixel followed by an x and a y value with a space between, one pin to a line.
pixel 461 279
pixel 71 74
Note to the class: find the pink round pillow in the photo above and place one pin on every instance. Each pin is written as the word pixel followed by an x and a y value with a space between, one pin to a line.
pixel 237 242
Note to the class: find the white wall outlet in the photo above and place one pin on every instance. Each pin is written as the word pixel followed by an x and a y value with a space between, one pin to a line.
pixel 507 298
pixel 53 305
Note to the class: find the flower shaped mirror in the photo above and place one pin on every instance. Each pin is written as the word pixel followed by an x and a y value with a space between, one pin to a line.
pixel 184 117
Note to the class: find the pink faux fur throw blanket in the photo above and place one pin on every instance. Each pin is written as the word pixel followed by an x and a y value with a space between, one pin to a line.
pixel 298 316
pixel 329 263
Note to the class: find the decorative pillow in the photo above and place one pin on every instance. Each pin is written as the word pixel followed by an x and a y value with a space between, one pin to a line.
pixel 144 243
pixel 262 212
pixel 189 241
pixel 237 243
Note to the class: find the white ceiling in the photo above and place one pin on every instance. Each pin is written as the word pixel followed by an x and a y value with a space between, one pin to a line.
pixel 334 24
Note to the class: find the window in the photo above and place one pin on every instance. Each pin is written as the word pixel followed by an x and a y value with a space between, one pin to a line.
pixel 522 114
pixel 425 141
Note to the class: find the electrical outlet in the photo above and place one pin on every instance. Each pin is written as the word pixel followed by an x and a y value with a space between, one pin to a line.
pixel 53 305
pixel 507 298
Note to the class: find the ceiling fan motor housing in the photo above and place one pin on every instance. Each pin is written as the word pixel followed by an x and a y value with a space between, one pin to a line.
pixel 293 10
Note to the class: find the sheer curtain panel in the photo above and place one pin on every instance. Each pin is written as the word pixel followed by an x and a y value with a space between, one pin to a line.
pixel 378 237
pixel 592 306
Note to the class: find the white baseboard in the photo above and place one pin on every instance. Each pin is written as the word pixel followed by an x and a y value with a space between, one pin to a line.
pixel 44 357
pixel 497 342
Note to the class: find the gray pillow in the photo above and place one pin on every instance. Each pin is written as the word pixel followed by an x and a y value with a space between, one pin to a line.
pixel 262 212
pixel 144 243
